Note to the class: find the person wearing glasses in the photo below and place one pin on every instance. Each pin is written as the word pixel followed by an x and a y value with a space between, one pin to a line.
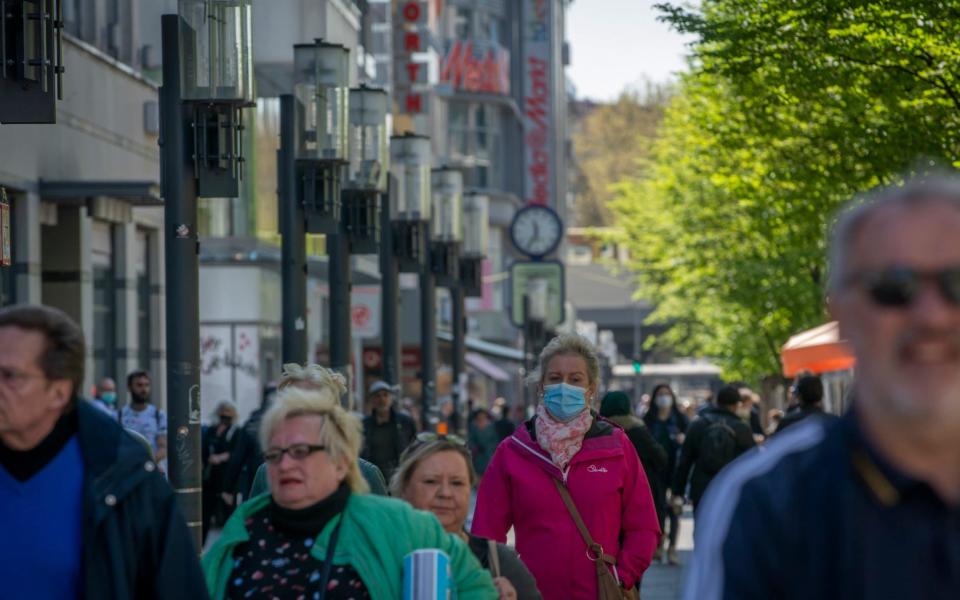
pixel 564 471
pixel 316 534
pixel 84 511
pixel 867 506
pixel 436 474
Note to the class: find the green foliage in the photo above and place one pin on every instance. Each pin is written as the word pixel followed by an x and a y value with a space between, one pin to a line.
pixel 611 143
pixel 791 108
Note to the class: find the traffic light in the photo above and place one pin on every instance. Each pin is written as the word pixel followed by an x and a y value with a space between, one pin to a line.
pixel 637 365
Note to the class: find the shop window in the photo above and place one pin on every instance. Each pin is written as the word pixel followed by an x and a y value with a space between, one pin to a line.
pixel 104 302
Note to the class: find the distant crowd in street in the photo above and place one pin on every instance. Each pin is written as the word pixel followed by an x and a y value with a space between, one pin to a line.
pixel 312 501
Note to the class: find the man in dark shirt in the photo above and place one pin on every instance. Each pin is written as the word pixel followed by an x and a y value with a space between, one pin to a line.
pixel 868 506
pixel 386 432
pixel 85 512
pixel 810 396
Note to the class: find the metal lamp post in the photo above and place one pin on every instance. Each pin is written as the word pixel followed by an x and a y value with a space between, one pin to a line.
pixel 411 209
pixel 321 91
pixel 207 79
pixel 535 308
pixel 446 234
pixel 476 234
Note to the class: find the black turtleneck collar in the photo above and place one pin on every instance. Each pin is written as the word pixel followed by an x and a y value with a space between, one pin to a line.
pixel 312 519
pixel 24 464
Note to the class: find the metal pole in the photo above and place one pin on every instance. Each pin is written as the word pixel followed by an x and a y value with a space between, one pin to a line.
pixel 182 286
pixel 293 242
pixel 526 351
pixel 390 290
pixel 338 250
pixel 459 327
pixel 637 355
pixel 428 334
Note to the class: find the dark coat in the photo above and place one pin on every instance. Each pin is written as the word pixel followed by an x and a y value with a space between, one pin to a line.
pixel 794 417
pixel 652 455
pixel 383 444
pixel 690 452
pixel 511 567
pixel 135 541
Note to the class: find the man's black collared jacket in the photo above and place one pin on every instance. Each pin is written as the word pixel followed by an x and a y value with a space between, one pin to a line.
pixel 135 541
pixel 817 512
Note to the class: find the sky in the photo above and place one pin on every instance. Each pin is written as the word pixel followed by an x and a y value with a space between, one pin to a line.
pixel 617 43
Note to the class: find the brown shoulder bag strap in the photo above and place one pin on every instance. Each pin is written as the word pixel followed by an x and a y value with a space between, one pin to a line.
pixel 597 549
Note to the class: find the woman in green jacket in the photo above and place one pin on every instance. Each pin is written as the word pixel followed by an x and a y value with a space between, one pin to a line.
pixel 316 533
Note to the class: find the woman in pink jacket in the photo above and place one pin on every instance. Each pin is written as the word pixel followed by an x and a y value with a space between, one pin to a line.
pixel 568 442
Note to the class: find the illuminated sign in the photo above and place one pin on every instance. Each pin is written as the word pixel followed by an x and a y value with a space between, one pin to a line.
pixel 465 68
pixel 539 118
pixel 411 72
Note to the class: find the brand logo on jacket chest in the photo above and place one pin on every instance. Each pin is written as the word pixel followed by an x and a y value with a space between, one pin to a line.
pixel 596 469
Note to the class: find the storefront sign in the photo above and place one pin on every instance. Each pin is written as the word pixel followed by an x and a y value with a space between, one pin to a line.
pixel 470 70
pixel 411 20
pixel 539 123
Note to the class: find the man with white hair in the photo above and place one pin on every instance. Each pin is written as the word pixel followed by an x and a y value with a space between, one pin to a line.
pixel 868 506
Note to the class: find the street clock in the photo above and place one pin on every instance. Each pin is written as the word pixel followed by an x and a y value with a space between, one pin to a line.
pixel 536 230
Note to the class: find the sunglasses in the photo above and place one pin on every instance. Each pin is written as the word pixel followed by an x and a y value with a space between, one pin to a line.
pixel 429 436
pixel 898 287
pixel 296 452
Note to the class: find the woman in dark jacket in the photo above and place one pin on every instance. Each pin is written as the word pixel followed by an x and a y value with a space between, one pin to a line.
pixel 668 426
pixel 616 407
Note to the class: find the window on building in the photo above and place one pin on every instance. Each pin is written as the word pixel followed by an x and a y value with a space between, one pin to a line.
pixel 8 279
pixel 474 142
pixel 144 342
pixel 104 302
pixel 462 23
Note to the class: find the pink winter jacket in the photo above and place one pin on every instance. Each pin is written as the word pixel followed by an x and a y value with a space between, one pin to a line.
pixel 610 490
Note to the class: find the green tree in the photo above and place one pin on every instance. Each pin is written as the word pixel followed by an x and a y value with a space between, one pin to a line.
pixel 791 108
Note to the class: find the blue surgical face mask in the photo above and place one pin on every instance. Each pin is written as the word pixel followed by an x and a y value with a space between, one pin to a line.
pixel 564 401
pixel 108 397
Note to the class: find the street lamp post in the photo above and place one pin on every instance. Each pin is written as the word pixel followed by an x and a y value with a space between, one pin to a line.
pixel 446 233
pixel 476 232
pixel 293 240
pixel 411 210
pixel 207 80
pixel 321 80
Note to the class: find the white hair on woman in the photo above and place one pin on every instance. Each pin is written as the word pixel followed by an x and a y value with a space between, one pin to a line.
pixel 340 431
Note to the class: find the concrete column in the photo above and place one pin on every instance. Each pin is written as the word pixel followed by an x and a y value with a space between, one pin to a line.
pixel 126 320
pixel 158 319
pixel 26 251
pixel 68 272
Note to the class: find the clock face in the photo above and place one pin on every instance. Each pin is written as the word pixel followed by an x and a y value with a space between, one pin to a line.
pixel 536 230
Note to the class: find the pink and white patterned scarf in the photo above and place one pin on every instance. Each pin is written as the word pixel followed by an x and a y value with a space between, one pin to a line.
pixel 561 440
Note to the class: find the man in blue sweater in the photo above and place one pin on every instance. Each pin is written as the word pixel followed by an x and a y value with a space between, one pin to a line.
pixel 84 513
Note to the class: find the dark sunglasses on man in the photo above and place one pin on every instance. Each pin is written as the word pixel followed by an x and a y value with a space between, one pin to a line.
pixel 898 287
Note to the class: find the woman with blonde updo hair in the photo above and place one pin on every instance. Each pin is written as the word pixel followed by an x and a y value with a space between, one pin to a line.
pixel 310 377
pixel 316 534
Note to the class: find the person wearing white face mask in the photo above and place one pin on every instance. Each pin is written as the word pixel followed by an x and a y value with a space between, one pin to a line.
pixel 571 485
pixel 668 425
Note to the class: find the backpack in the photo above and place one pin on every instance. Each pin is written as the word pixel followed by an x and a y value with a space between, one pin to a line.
pixel 718 447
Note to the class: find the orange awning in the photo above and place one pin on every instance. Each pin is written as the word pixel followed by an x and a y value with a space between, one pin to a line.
pixel 818 350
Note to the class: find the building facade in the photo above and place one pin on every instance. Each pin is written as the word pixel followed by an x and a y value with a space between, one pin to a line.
pixel 84 198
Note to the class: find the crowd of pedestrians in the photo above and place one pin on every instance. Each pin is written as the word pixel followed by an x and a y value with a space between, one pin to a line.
pixel 863 505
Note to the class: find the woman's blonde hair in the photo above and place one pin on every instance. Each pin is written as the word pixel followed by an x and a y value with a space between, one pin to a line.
pixel 340 431
pixel 570 344
pixel 311 374
pixel 418 452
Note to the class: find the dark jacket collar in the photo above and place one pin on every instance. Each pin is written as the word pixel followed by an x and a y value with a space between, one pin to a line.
pixel 886 483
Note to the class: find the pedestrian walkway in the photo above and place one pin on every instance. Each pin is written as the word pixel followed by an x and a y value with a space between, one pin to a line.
pixel 663 581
